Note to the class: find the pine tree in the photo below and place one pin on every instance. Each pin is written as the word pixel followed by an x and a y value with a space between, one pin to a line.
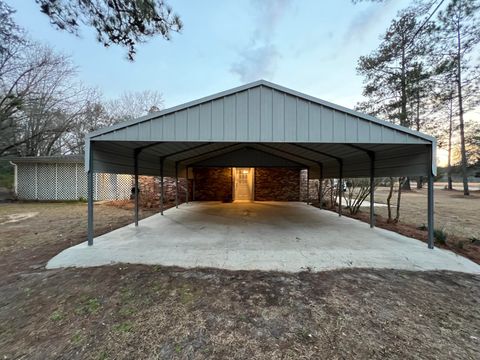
pixel 396 79
pixel 459 37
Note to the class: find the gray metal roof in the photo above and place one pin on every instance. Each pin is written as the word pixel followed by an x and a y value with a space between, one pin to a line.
pixel 260 111
pixel 54 159
pixel 269 119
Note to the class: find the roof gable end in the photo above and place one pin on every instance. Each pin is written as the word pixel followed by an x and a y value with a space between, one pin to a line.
pixel 260 111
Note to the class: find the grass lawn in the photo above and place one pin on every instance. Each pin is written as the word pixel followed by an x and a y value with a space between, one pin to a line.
pixel 132 311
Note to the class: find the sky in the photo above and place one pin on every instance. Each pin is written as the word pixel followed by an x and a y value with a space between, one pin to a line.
pixel 309 46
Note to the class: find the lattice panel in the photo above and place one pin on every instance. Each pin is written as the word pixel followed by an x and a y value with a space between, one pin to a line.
pixel 66 182
pixel 26 181
pixel 81 182
pixel 112 186
pixel 46 181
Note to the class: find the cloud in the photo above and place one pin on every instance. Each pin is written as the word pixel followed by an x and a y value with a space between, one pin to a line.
pixel 256 63
pixel 365 21
pixel 260 57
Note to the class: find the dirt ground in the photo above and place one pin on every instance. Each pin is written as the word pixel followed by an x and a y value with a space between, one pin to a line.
pixel 153 312
pixel 456 216
pixel 455 213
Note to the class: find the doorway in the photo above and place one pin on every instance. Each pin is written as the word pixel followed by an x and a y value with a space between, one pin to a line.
pixel 243 183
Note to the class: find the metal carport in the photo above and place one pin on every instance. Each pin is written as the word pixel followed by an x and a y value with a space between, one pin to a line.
pixel 279 125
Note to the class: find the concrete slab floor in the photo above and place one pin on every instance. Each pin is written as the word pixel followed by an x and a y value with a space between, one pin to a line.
pixel 259 236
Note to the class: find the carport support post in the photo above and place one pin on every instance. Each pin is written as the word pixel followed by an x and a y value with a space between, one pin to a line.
pixel 372 189
pixel 320 186
pixel 161 186
pixel 176 185
pixel 135 166
pixel 90 197
pixel 340 188
pixel 188 185
pixel 308 185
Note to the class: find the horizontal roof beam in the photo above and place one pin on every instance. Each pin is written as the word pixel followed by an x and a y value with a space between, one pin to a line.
pixel 289 153
pixel 249 146
pixel 318 152
pixel 185 150
pixel 208 153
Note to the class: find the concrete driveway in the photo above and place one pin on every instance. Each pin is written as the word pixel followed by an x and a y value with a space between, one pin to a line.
pixel 259 236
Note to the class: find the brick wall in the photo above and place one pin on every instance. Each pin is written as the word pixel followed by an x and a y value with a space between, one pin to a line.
pixel 280 184
pixel 150 190
pixel 213 184
pixel 313 188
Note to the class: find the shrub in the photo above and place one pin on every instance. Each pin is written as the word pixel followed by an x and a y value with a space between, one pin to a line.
pixel 423 227
pixel 440 236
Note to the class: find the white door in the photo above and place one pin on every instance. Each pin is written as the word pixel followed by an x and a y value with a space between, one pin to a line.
pixel 243 183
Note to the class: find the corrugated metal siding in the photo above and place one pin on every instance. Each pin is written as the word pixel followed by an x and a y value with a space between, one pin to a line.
pixel 261 114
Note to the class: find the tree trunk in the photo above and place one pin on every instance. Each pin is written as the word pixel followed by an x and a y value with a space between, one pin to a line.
pixel 389 199
pixel 403 89
pixel 420 182
pixel 401 181
pixel 417 123
pixel 450 134
pixel 460 109
pixel 406 184
pixel 332 194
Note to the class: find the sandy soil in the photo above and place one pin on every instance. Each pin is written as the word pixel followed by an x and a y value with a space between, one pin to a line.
pixel 124 312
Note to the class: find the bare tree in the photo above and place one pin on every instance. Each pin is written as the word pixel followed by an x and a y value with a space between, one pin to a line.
pixel 131 105
pixel 358 189
pixel 98 113
pixel 92 118
pixel 40 100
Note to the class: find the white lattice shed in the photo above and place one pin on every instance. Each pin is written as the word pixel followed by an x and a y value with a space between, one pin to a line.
pixel 64 178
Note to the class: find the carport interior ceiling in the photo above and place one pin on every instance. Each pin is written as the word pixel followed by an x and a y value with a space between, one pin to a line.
pixel 257 125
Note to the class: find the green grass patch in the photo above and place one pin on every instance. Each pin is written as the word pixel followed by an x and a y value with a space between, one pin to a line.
pixel 77 338
pixel 127 311
pixel 88 306
pixel 124 327
pixel 103 356
pixel 186 294
pixel 57 315
pixel 126 294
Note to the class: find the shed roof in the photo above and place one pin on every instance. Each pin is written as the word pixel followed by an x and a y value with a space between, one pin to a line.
pixel 53 159
pixel 265 117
